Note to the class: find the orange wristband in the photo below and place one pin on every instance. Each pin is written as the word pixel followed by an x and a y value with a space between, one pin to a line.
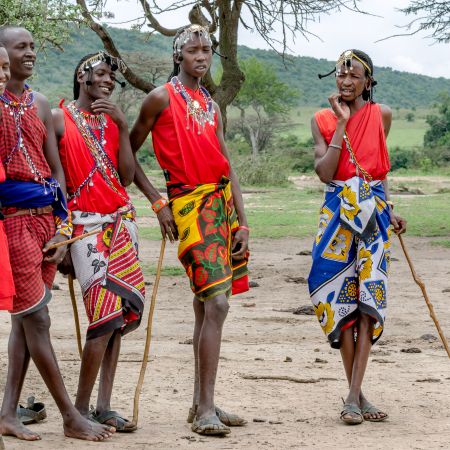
pixel 159 205
pixel 243 227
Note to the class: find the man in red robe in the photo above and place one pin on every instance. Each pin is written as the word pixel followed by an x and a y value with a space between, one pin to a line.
pixel 35 213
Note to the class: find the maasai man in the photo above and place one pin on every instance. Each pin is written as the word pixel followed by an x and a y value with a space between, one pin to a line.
pixel 348 278
pixel 206 208
pixel 33 199
pixel 6 280
pixel 98 162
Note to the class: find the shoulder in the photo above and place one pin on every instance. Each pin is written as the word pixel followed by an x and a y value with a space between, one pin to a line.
pixel 156 100
pixel 41 99
pixel 386 112
pixel 325 119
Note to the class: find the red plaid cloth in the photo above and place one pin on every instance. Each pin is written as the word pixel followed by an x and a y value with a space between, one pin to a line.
pixel 34 134
pixel 27 236
pixel 6 279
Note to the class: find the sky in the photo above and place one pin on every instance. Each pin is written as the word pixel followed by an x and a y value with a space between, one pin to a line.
pixel 338 32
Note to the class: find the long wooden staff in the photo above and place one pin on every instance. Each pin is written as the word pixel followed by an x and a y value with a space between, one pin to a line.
pixel 421 284
pixel 137 392
pixel 75 315
pixel 78 238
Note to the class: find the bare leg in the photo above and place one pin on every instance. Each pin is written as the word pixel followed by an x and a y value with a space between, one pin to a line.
pixel 199 311
pixel 93 353
pixel 36 329
pixel 108 372
pixel 216 310
pixel 361 357
pixel 18 361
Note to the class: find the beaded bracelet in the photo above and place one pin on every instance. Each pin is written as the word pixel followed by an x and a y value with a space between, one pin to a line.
pixel 391 204
pixel 243 227
pixel 159 205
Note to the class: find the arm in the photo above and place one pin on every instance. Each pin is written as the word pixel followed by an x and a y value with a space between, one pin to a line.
pixel 240 240
pixel 51 154
pixel 152 106
pixel 326 156
pixel 126 164
pixel 397 222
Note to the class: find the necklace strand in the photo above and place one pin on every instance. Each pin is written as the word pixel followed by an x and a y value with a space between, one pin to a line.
pixel 194 109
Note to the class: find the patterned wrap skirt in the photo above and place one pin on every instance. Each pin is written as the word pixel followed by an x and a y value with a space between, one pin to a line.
pixel 108 270
pixel 206 222
pixel 351 256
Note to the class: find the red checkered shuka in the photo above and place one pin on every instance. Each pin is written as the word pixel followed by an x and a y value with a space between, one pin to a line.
pixel 34 134
pixel 27 236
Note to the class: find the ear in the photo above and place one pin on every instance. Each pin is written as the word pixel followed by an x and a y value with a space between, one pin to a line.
pixel 81 77
pixel 178 58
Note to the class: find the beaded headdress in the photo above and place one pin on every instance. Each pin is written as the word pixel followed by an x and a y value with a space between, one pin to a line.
pixel 102 57
pixel 188 33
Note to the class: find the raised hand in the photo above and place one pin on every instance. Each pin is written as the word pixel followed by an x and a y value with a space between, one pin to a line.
pixel 105 106
pixel 340 108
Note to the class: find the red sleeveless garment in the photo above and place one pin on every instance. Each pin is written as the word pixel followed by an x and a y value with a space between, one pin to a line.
pixel 366 134
pixel 34 135
pixel 77 162
pixel 188 157
pixel 6 278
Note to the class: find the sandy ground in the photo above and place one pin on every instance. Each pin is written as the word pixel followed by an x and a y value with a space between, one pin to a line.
pixel 413 387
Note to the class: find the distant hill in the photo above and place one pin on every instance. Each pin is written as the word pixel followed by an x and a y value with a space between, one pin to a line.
pixel 54 71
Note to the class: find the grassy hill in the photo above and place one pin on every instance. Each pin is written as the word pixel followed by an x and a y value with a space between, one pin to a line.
pixel 54 72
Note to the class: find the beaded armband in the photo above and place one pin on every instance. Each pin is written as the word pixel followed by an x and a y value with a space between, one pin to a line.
pixel 159 205
pixel 64 228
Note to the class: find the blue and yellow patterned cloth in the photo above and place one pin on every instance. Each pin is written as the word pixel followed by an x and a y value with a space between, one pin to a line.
pixel 351 256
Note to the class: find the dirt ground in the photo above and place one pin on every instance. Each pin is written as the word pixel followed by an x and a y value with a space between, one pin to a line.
pixel 260 333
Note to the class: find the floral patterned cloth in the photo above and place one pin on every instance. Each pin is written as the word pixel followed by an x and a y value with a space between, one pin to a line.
pixel 206 221
pixel 349 272
pixel 108 270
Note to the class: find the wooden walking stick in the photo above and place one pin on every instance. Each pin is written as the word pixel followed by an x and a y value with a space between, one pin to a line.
pixel 421 284
pixel 78 238
pixel 75 315
pixel 137 392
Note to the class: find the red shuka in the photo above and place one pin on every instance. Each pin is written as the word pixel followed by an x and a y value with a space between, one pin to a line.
pixel 77 162
pixel 189 158
pixel 6 278
pixel 366 133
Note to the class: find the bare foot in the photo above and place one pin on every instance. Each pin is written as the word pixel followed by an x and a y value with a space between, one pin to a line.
pixel 81 428
pixel 370 412
pixel 13 427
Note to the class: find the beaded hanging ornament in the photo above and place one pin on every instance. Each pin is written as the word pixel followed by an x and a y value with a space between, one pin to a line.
pixel 102 162
pixel 194 110
pixel 17 109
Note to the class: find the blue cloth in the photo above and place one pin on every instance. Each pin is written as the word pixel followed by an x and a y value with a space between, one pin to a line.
pixel 28 194
pixel 349 274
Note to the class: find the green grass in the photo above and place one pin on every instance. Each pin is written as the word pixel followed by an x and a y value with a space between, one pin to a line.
pixel 291 212
pixel 167 271
pixel 442 243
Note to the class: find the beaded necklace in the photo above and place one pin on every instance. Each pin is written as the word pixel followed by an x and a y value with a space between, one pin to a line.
pixel 17 109
pixel 193 107
pixel 102 162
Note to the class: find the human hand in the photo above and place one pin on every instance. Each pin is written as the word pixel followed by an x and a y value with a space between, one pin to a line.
pixel 105 106
pixel 167 224
pixel 340 108
pixel 239 245
pixel 398 223
pixel 55 256
pixel 66 266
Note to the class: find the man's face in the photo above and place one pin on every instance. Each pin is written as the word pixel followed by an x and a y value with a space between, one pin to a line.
pixel 197 55
pixel 21 50
pixel 5 74
pixel 102 81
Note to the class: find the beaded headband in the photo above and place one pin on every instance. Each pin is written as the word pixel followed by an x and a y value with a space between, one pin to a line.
pixel 102 57
pixel 346 60
pixel 187 34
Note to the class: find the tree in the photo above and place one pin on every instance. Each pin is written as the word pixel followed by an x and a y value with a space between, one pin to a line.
pixel 438 134
pixel 45 19
pixel 277 21
pixel 267 98
pixel 432 15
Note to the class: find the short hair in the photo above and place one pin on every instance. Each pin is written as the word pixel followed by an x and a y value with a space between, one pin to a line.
pixel 4 30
